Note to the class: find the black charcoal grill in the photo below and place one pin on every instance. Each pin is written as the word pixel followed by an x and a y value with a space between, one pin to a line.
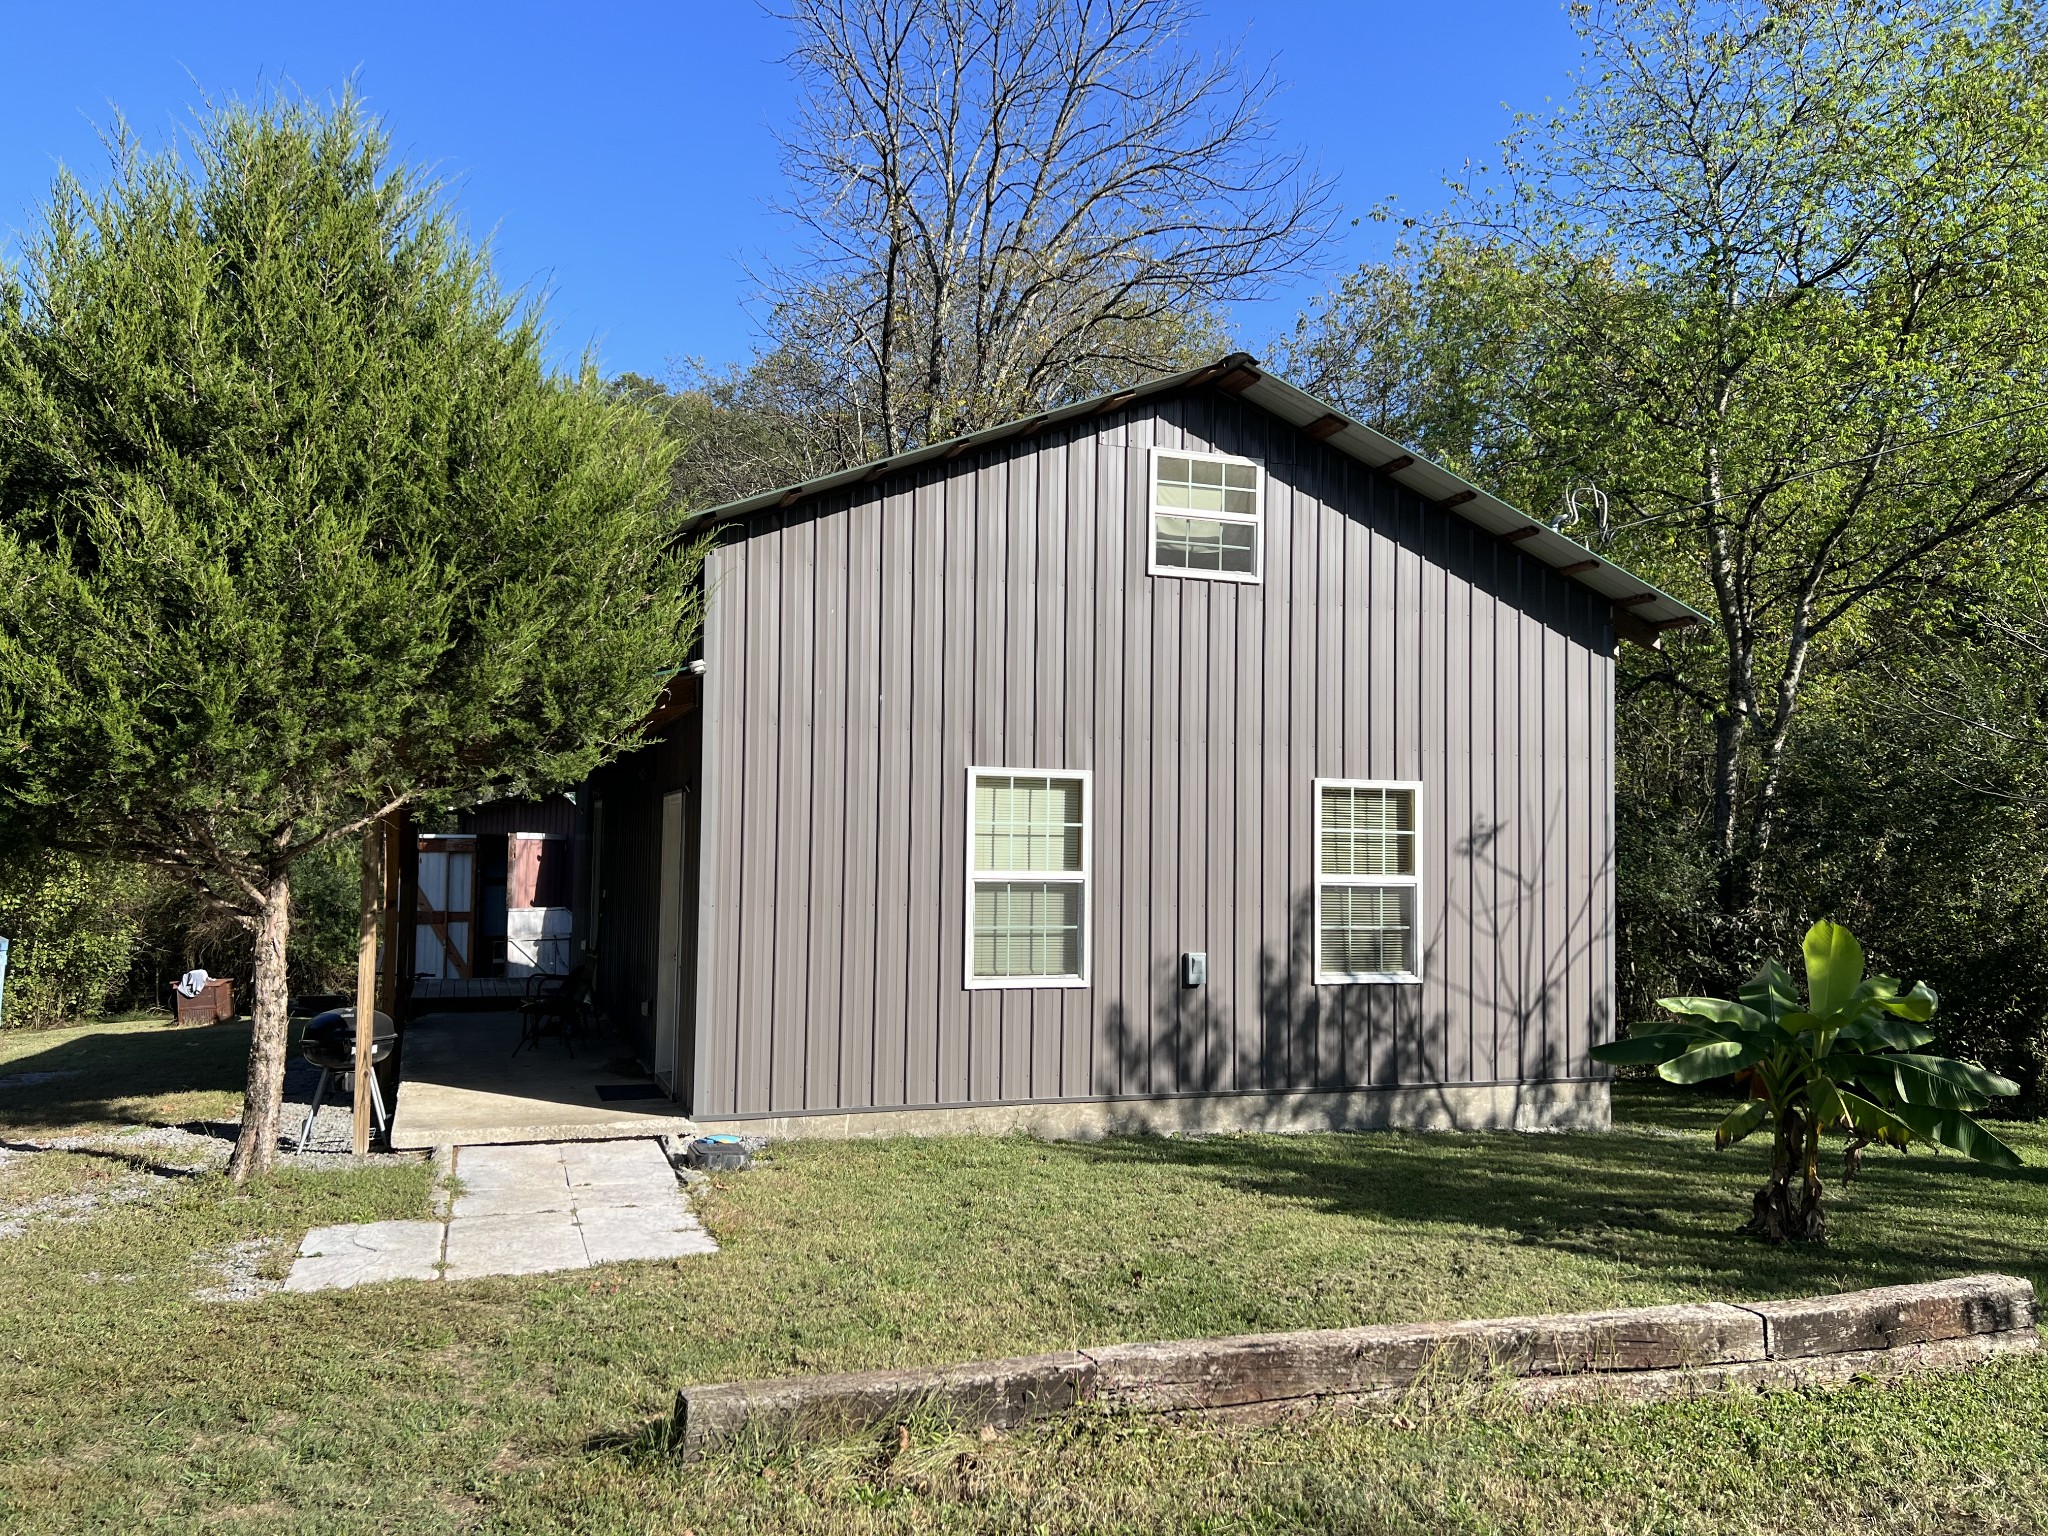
pixel 329 1043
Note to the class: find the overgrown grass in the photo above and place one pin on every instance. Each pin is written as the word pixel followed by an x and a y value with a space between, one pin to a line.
pixel 537 1403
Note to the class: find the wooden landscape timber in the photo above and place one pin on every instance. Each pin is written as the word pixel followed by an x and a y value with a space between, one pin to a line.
pixel 1641 1354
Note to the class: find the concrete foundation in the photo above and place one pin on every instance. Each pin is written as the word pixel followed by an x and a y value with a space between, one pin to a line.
pixel 1552 1106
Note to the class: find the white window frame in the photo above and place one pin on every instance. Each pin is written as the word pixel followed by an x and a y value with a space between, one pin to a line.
pixel 1084 877
pixel 1153 512
pixel 1412 882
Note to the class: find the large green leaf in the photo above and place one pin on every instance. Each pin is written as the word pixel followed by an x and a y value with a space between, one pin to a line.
pixel 1716 1059
pixel 1770 991
pixel 1886 1033
pixel 1716 1010
pixel 1964 1076
pixel 1917 1005
pixel 1740 1123
pixel 1643 1050
pixel 1884 1079
pixel 1953 1128
pixel 1834 967
pixel 1874 1120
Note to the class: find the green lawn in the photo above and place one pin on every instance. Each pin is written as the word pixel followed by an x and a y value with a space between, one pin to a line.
pixel 537 1404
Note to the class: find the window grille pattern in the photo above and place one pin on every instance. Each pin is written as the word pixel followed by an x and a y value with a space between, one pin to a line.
pixel 1367 881
pixel 1205 516
pixel 1029 884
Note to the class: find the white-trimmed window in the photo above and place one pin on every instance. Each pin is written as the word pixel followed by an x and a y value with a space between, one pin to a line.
pixel 1206 516
pixel 1027 878
pixel 1368 880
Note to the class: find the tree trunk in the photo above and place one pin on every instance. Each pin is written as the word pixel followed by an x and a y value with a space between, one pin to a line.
pixel 1734 887
pixel 1776 1214
pixel 270 1018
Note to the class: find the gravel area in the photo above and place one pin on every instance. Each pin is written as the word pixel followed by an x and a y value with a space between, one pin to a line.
pixel 236 1271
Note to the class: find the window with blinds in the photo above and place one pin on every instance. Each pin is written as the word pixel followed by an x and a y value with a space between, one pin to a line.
pixel 1206 516
pixel 1368 881
pixel 1028 879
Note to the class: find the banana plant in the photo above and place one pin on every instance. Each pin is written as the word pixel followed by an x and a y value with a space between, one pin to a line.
pixel 1846 1057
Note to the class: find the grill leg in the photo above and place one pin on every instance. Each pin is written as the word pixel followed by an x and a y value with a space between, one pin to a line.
pixel 381 1114
pixel 319 1093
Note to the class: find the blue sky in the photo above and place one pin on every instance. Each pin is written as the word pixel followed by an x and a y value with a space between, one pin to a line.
pixel 621 155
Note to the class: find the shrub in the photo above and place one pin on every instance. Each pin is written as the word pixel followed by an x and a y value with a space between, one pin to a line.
pixel 72 924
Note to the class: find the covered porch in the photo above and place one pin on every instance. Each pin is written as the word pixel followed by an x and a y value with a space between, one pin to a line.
pixel 446 953
pixel 462 1085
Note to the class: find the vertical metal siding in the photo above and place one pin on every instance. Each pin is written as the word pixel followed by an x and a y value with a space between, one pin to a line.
pixel 996 609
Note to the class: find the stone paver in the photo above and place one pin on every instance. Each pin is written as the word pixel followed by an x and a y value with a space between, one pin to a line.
pixel 516 1243
pixel 615 1234
pixel 501 1181
pixel 522 1210
pixel 335 1258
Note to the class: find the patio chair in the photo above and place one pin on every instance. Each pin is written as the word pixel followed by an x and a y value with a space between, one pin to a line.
pixel 557 1005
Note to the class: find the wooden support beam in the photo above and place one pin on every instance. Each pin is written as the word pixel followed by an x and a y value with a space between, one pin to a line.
pixel 1458 499
pixel 1683 621
pixel 1630 628
pixel 1115 403
pixel 1577 566
pixel 1238 380
pixel 1516 535
pixel 366 978
pixel 387 952
pixel 682 694
pixel 791 499
pixel 1396 464
pixel 408 945
pixel 1636 600
pixel 1325 427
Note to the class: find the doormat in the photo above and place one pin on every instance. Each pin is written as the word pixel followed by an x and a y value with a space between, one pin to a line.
pixel 612 1092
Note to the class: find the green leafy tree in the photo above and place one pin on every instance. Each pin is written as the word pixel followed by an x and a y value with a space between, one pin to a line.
pixel 297 527
pixel 1845 1058
pixel 1774 282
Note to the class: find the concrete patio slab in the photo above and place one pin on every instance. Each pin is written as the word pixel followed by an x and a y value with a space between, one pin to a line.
pixel 464 1087
pixel 338 1258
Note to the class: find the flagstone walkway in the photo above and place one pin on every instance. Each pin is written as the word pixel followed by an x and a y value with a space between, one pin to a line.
pixel 520 1210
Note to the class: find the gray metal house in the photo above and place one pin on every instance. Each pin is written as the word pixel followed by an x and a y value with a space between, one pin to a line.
pixel 1194 757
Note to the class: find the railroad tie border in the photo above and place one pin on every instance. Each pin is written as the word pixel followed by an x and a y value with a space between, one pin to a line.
pixel 1641 1355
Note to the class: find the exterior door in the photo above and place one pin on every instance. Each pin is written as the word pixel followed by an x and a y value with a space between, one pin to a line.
pixel 446 919
pixel 668 977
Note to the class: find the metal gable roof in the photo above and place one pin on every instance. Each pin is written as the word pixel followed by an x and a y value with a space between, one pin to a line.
pixel 1641 612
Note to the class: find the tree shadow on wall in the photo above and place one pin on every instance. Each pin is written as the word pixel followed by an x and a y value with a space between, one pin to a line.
pixel 1512 989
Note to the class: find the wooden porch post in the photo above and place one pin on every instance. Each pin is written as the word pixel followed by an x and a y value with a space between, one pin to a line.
pixel 407 944
pixel 366 978
pixel 387 958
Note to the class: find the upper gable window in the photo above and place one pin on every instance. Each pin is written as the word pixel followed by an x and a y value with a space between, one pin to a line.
pixel 1206 512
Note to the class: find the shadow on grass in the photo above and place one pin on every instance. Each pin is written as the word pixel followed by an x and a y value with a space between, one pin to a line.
pixel 1665 1207
pixel 135 1162
pixel 112 1075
